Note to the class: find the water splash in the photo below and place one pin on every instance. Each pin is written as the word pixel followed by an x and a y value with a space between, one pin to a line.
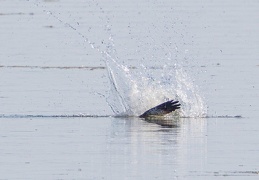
pixel 193 103
pixel 134 90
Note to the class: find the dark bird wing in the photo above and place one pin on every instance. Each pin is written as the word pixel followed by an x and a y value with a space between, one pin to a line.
pixel 162 109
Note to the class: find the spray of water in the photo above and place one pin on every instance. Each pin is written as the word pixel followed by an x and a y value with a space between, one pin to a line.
pixel 134 90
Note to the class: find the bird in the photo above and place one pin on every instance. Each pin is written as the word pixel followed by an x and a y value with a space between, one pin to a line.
pixel 161 109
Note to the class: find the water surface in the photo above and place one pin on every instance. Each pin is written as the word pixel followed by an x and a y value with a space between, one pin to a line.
pixel 56 120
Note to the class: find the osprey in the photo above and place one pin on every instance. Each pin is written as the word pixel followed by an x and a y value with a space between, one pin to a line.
pixel 161 109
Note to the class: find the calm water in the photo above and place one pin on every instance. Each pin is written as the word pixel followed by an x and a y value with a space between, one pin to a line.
pixel 51 66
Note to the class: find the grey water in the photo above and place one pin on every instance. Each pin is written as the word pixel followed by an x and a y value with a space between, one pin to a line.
pixel 70 73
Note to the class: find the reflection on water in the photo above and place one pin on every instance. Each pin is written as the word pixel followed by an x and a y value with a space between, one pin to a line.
pixel 165 146
pixel 163 121
pixel 111 148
